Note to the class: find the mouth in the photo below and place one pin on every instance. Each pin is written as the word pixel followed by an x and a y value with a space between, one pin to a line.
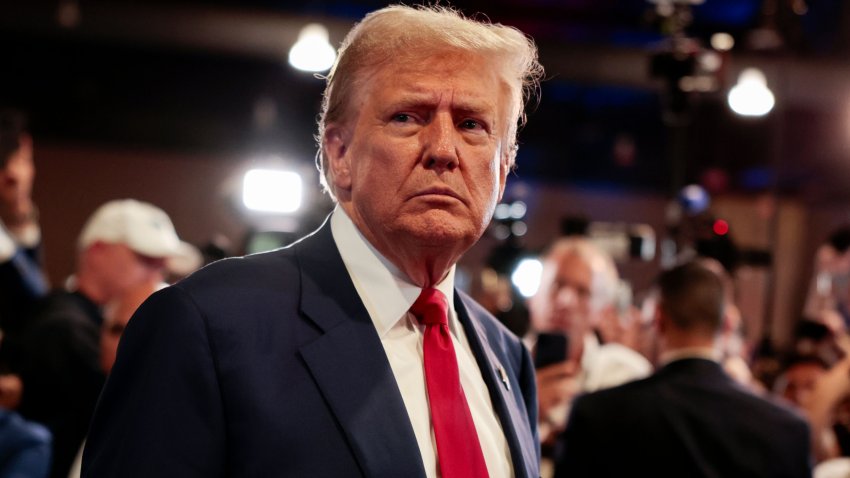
pixel 437 192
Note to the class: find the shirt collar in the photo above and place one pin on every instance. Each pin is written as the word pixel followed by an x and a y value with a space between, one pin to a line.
pixel 385 290
pixel 707 353
pixel 590 351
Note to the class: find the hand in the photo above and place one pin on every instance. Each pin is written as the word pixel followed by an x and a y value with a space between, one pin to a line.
pixel 609 326
pixel 557 385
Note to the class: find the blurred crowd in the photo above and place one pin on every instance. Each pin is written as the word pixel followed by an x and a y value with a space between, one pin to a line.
pixel 585 338
pixel 59 342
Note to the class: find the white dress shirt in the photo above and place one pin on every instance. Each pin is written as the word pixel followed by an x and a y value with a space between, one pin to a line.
pixel 672 355
pixel 10 242
pixel 388 295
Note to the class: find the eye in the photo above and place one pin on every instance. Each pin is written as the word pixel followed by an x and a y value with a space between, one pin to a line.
pixel 470 124
pixel 401 118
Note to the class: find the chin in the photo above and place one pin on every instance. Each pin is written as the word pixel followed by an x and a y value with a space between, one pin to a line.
pixel 440 227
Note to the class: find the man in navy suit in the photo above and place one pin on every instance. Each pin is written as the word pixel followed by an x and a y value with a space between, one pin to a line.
pixel 307 361
pixel 689 418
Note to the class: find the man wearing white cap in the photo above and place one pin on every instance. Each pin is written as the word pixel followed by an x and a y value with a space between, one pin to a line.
pixel 125 243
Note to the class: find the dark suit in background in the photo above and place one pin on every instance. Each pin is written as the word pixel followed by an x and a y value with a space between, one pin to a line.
pixel 688 420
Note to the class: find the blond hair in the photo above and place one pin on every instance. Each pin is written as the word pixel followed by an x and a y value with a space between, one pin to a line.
pixel 399 31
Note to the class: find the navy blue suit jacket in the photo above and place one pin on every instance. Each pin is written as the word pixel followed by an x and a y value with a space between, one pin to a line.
pixel 689 419
pixel 269 365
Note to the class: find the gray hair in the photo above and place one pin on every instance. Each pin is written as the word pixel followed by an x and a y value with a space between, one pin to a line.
pixel 402 31
pixel 605 280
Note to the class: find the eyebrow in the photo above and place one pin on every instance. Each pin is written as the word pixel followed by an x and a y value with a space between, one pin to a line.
pixel 415 98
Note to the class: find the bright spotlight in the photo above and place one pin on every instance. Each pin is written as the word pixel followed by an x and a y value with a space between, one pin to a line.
pixel 751 96
pixel 694 199
pixel 722 41
pixel 312 52
pixel 503 211
pixel 519 228
pixel 518 210
pixel 526 276
pixel 270 190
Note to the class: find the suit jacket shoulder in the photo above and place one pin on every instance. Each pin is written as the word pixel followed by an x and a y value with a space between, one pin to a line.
pixel 701 422
pixel 264 364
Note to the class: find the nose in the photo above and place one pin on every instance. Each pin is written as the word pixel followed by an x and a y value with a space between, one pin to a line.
pixel 566 297
pixel 440 150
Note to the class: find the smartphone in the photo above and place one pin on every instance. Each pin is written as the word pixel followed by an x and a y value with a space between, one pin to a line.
pixel 551 348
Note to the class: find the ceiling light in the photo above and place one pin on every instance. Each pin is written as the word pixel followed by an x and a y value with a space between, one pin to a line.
pixel 270 190
pixel 312 52
pixel 526 276
pixel 751 96
pixel 722 41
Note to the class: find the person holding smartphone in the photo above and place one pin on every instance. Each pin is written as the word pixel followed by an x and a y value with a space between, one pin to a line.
pixel 578 284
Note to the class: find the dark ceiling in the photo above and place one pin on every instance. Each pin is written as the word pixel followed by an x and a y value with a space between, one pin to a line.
pixel 212 77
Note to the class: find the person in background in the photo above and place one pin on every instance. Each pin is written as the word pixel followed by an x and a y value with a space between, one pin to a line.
pixel 116 316
pixel 22 281
pixel 578 284
pixel 802 384
pixel 731 343
pixel 351 353
pixel 25 447
pixel 828 299
pixel 826 406
pixel 689 418
pixel 123 244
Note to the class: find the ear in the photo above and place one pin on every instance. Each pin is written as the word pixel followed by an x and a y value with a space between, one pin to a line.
pixel 336 149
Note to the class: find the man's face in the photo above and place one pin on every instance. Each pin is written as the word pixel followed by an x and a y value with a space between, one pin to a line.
pixel 421 160
pixel 16 179
pixel 562 304
pixel 120 269
pixel 801 380
pixel 116 315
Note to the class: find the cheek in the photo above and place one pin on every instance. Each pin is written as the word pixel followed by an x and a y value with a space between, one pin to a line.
pixel 130 272
pixel 540 316
pixel 541 306
pixel 376 162
pixel 484 186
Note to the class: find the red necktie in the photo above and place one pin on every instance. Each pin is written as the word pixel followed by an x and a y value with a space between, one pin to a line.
pixel 458 451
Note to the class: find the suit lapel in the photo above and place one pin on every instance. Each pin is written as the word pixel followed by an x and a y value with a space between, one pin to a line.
pixel 503 395
pixel 350 367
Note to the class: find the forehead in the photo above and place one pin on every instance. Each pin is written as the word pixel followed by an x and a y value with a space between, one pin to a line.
pixel 475 78
pixel 572 266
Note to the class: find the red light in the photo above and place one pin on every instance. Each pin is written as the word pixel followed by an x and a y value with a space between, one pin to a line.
pixel 720 227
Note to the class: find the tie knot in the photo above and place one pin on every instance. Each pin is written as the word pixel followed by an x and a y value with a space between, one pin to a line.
pixel 431 308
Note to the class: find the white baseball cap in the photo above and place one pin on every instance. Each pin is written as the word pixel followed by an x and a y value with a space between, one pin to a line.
pixel 144 228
